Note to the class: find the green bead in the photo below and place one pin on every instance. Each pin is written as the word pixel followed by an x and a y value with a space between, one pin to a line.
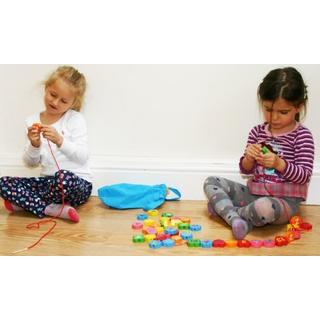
pixel 194 243
pixel 184 226
pixel 138 238
pixel 264 150
pixel 167 214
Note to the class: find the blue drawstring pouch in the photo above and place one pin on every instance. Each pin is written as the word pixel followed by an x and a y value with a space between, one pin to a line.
pixel 136 196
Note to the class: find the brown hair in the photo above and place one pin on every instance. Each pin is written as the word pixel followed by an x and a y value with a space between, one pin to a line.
pixel 286 83
pixel 73 77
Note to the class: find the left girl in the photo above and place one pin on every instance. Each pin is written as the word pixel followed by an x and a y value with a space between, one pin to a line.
pixel 57 133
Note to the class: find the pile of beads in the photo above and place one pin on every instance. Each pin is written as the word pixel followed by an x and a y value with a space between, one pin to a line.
pixel 173 231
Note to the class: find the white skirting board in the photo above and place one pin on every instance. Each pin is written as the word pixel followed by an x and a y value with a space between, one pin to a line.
pixel 187 176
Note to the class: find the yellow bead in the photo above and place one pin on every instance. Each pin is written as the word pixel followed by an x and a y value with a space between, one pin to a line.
pixel 159 229
pixel 149 222
pixel 153 213
pixel 175 222
pixel 165 222
pixel 149 237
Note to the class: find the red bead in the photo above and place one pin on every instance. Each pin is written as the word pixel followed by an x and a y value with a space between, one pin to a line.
pixel 280 241
pixel 219 243
pixel 306 226
pixel 162 236
pixel 244 244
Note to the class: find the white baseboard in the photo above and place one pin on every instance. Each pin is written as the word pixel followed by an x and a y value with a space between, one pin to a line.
pixel 187 176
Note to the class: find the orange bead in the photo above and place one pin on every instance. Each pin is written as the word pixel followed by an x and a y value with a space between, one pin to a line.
pixel 178 240
pixel 37 126
pixel 231 243
pixel 185 220
pixel 290 236
pixel 296 221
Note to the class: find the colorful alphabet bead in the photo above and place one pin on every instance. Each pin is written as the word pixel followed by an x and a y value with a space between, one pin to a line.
pixel 168 243
pixel 194 243
pixel 244 243
pixel 185 220
pixel 162 236
pixel 175 222
pixel 183 226
pixel 296 221
pixel 256 243
pixel 137 225
pixel 149 237
pixel 172 231
pixel 167 215
pixel 142 216
pixel 138 238
pixel 155 244
pixel 149 230
pixel 178 240
pixel 206 243
pixel 231 243
pixel 153 213
pixel 280 241
pixel 218 243
pixel 149 223
pixel 195 227
pixel 306 226
pixel 186 235
pixel 269 243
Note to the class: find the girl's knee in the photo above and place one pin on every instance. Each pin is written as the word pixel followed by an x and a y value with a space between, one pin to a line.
pixel 266 210
pixel 213 180
pixel 5 181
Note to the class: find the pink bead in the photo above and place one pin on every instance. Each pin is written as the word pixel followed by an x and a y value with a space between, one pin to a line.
pixel 297 235
pixel 256 243
pixel 269 243
pixel 137 225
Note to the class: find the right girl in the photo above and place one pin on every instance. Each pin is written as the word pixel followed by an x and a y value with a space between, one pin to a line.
pixel 279 156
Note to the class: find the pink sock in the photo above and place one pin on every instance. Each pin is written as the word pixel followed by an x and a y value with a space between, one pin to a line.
pixel 11 207
pixel 68 212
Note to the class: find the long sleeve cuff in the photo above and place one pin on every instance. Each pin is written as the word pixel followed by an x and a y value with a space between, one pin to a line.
pixel 32 151
pixel 243 170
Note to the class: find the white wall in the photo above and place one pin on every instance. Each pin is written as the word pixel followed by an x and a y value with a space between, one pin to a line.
pixel 171 124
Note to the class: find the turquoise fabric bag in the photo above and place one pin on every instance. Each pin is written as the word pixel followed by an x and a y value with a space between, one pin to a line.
pixel 136 196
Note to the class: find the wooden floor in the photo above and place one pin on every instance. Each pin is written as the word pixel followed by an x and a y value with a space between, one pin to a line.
pixel 106 232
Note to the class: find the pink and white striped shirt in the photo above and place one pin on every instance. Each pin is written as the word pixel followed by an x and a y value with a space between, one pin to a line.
pixel 296 148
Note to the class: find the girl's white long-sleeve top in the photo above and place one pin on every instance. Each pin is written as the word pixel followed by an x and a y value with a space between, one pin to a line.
pixel 73 155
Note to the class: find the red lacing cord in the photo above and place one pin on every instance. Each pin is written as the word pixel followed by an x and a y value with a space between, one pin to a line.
pixel 36 225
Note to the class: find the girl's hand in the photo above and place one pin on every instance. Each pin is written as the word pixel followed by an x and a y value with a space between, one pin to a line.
pixel 252 152
pixel 34 136
pixel 268 160
pixel 271 160
pixel 52 135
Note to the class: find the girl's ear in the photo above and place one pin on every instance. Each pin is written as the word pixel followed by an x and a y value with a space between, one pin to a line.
pixel 299 108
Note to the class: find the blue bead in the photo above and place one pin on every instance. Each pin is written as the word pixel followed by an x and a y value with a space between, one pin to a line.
pixel 155 244
pixel 171 230
pixel 168 243
pixel 195 227
pixel 186 235
pixel 142 216
pixel 206 243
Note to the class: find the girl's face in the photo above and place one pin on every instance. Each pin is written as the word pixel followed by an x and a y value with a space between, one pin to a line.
pixel 280 115
pixel 58 98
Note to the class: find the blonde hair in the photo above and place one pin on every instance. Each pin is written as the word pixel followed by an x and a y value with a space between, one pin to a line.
pixel 74 78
